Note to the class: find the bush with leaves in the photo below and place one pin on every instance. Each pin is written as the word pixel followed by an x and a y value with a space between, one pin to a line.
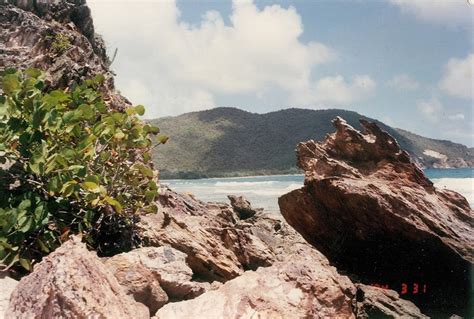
pixel 69 164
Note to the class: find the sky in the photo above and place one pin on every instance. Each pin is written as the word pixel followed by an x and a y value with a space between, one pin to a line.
pixel 408 63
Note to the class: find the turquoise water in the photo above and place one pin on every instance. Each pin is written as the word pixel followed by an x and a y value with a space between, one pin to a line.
pixel 263 191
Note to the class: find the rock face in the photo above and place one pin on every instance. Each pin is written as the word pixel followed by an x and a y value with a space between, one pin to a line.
pixel 304 286
pixel 218 245
pixel 374 214
pixel 30 29
pixel 269 270
pixel 72 282
pixel 7 285
pixel 155 275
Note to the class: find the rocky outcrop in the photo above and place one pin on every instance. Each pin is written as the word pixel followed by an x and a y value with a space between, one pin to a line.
pixel 7 285
pixel 303 286
pixel 155 275
pixel 269 270
pixel 219 246
pixel 57 37
pixel 72 282
pixel 374 214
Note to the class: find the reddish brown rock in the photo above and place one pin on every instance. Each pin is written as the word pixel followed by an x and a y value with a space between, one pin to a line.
pixel 304 286
pixel 269 270
pixel 72 282
pixel 219 246
pixel 374 213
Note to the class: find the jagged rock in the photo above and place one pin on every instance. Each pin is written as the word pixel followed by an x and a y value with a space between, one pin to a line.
pixel 374 214
pixel 219 246
pixel 217 242
pixel 7 285
pixel 304 286
pixel 153 275
pixel 72 282
pixel 241 206
pixel 28 29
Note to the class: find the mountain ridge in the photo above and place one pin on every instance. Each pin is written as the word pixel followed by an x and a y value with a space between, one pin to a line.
pixel 230 142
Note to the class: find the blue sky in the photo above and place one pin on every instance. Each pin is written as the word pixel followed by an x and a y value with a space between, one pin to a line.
pixel 408 63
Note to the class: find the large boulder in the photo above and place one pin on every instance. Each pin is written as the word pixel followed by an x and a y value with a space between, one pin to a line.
pixel 137 280
pixel 72 282
pixel 156 275
pixel 375 215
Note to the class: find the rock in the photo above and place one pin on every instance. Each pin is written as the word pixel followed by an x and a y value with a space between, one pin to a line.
pixel 219 246
pixel 304 286
pixel 7 285
pixel 241 206
pixel 384 303
pixel 28 29
pixel 155 273
pixel 375 215
pixel 268 257
pixel 138 281
pixel 72 282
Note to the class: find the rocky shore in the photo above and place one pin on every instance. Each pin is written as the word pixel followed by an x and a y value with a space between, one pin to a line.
pixel 366 218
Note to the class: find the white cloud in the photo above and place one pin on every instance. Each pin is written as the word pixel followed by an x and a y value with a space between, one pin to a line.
pixel 452 13
pixel 173 67
pixel 457 117
pixel 430 109
pixel 335 90
pixel 458 77
pixel 403 82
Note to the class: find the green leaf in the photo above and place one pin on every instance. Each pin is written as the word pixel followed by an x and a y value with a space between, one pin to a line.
pixel 34 73
pixel 150 196
pixel 93 179
pixel 119 135
pixel 91 187
pixel 162 139
pixel 114 203
pixel 140 109
pixel 87 111
pixel 25 263
pixel 10 83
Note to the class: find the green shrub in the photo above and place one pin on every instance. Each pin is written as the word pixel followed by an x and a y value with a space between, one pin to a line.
pixel 60 43
pixel 69 164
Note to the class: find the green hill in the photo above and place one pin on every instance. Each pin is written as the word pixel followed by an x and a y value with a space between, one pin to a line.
pixel 231 142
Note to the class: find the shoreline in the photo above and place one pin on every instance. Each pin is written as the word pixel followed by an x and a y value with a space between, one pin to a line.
pixel 282 175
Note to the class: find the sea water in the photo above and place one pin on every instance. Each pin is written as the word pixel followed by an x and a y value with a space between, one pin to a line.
pixel 263 191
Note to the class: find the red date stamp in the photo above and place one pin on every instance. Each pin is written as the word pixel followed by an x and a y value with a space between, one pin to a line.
pixel 414 288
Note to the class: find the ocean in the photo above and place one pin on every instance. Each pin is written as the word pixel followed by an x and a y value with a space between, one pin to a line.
pixel 263 191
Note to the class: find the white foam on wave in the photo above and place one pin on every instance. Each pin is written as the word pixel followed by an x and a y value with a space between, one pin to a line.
pixel 243 184
pixel 250 188
pixel 464 186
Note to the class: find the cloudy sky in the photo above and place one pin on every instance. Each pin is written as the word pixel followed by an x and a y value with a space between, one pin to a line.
pixel 408 63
